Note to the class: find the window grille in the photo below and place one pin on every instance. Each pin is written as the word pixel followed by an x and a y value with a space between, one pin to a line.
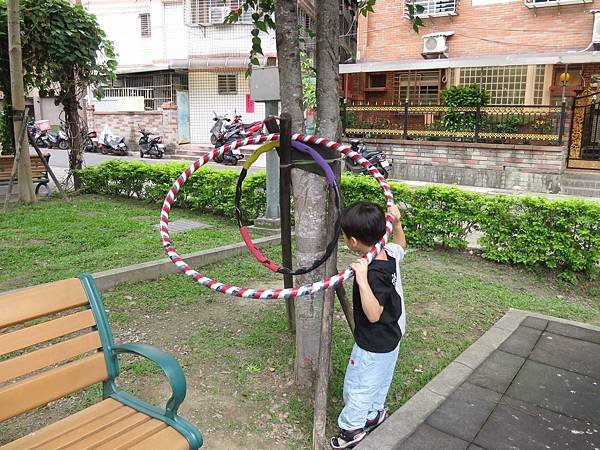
pixel 432 8
pixel 213 12
pixel 417 87
pixel 227 84
pixel 146 30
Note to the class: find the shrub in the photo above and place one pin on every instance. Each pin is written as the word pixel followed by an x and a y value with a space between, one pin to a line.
pixel 533 232
pixel 557 234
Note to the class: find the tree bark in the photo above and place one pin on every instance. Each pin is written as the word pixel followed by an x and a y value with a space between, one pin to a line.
pixel 26 193
pixel 71 106
pixel 328 125
pixel 288 59
pixel 328 78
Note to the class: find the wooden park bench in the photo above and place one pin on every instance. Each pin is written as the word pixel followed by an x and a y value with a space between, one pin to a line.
pixel 55 340
pixel 38 170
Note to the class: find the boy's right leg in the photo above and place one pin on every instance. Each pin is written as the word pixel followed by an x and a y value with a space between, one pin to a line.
pixel 358 392
pixel 387 365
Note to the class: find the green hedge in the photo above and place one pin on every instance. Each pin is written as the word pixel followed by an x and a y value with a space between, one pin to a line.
pixel 533 232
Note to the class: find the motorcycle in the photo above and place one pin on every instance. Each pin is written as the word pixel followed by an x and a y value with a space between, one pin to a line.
pixel 109 143
pixel 248 129
pixel 376 158
pixel 44 138
pixel 221 134
pixel 150 147
pixel 89 142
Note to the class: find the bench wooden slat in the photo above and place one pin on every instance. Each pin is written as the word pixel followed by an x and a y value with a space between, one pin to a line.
pixel 51 385
pixel 106 435
pixel 41 301
pixel 73 437
pixel 38 170
pixel 65 425
pixel 42 332
pixel 167 438
pixel 44 357
pixel 132 437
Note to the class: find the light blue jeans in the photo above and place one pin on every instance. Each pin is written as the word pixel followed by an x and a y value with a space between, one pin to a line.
pixel 366 385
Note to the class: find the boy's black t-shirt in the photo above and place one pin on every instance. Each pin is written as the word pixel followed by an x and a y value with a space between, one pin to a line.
pixel 384 335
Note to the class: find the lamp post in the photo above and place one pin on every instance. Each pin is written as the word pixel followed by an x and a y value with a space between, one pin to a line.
pixel 564 79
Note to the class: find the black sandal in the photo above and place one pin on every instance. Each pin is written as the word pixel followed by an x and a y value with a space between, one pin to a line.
pixel 376 421
pixel 351 438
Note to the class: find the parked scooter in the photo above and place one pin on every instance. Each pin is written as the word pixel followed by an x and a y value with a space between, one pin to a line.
pixel 150 147
pixel 376 158
pixel 111 144
pixel 44 138
pixel 221 134
pixel 89 142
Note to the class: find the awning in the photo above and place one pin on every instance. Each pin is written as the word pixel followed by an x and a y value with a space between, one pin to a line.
pixel 140 69
pixel 480 61
pixel 213 62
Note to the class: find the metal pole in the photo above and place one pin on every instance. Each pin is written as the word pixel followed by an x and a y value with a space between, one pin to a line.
pixel 561 131
pixel 285 177
pixel 477 123
pixel 272 212
pixel 405 124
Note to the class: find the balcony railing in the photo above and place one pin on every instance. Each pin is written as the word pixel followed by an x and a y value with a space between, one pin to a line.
pixel 533 4
pixel 539 125
pixel 433 8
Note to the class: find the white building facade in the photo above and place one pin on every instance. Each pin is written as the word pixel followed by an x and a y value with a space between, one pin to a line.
pixel 180 51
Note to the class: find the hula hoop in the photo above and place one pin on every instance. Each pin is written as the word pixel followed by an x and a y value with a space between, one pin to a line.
pixel 306 289
pixel 245 233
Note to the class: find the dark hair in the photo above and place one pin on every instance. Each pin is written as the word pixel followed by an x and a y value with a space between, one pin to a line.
pixel 364 221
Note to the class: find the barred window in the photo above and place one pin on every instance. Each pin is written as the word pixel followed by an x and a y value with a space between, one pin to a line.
pixel 205 12
pixel 227 84
pixel 432 8
pixel 506 84
pixel 417 87
pixel 146 30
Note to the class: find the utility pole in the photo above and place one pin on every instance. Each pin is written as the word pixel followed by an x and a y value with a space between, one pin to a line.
pixel 26 193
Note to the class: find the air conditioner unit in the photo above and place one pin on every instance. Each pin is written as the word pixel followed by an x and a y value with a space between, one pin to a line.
pixel 435 43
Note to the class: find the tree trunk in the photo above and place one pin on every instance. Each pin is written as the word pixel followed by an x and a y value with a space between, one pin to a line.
pixel 327 64
pixel 26 193
pixel 71 107
pixel 288 60
pixel 328 125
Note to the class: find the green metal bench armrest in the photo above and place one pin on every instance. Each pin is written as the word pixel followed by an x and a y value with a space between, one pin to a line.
pixel 169 366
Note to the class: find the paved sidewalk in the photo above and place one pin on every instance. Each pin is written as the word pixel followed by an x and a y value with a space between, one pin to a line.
pixel 539 389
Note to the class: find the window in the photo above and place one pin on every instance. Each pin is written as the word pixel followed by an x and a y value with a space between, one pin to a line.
pixel 146 30
pixel 204 12
pixel 506 84
pixel 227 84
pixel 377 81
pixel 417 87
pixel 432 8
pixel 538 87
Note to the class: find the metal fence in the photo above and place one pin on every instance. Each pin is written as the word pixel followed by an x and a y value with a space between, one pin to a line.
pixel 533 125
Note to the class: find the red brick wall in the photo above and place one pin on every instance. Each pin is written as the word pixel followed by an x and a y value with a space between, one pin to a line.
pixel 163 123
pixel 479 30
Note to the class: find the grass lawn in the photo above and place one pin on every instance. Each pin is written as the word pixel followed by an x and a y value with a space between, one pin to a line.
pixel 238 356
pixel 55 239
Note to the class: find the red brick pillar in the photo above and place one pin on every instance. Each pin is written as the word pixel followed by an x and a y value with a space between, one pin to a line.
pixel 170 130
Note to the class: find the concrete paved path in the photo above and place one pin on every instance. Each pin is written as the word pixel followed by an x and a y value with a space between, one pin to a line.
pixel 538 387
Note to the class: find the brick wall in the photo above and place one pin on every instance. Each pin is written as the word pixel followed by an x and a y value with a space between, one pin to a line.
pixel 496 29
pixel 162 122
pixel 500 166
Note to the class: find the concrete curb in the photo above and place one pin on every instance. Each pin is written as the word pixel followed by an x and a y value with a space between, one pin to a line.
pixel 153 270
pixel 413 413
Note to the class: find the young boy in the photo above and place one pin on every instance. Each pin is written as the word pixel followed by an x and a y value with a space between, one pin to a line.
pixel 379 319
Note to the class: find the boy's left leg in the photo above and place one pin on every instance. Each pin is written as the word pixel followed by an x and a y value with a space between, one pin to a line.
pixel 387 367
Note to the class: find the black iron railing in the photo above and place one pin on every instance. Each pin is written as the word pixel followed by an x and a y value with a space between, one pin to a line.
pixel 539 125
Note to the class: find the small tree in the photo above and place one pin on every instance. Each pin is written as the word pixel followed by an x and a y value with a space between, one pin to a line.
pixel 64 52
